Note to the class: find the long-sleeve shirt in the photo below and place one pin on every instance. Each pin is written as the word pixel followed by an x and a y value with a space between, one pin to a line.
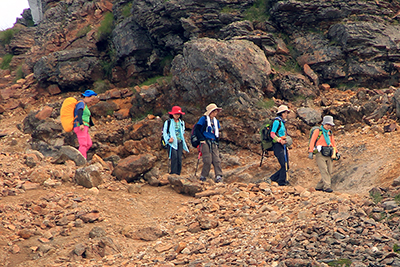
pixel 321 141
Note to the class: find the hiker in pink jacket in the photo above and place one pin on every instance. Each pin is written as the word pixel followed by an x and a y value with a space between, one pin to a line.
pixel 83 121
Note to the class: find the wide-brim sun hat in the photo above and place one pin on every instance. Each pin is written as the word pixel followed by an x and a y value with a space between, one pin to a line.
pixel 89 93
pixel 328 120
pixel 210 108
pixel 282 108
pixel 176 110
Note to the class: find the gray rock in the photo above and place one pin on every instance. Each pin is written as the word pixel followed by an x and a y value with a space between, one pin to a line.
pixel 79 249
pixel 309 115
pixel 338 235
pixel 70 153
pixel 182 185
pixel 97 232
pixel 89 176
pixel 396 182
pixel 389 205
pixel 214 61
pixel 61 67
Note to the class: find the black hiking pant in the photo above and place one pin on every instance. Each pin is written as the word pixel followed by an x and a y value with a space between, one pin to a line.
pixel 280 175
pixel 176 159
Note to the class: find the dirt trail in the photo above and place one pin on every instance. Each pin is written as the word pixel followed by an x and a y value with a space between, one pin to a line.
pixel 365 163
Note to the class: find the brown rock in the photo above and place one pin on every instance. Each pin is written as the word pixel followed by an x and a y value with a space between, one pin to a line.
pixel 163 247
pixel 39 176
pixel 131 167
pixel 54 89
pixel 148 234
pixel 15 249
pixel 90 217
pixel 25 233
pixel 30 186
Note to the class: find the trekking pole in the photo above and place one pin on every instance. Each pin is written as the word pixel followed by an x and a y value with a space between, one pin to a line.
pixel 198 159
pixel 262 155
pixel 169 158
pixel 286 163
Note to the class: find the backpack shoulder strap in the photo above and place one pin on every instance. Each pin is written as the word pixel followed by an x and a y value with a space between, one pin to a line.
pixel 280 122
pixel 319 134
pixel 168 125
pixel 79 101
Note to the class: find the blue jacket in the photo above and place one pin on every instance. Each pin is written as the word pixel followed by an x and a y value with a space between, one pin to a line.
pixel 208 132
pixel 172 133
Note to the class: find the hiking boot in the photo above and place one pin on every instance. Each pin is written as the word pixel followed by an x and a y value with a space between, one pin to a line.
pixel 202 178
pixel 218 179
pixel 328 190
pixel 319 189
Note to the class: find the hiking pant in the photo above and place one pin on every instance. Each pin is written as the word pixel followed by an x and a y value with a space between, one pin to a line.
pixel 280 175
pixel 176 159
pixel 325 168
pixel 84 140
pixel 210 156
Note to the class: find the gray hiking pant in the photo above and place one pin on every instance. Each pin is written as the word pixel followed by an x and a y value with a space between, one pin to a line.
pixel 210 157
pixel 325 168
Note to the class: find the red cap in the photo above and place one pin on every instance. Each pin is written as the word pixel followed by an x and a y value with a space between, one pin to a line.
pixel 176 110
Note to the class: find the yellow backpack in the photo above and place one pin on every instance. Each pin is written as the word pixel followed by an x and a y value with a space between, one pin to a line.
pixel 67 113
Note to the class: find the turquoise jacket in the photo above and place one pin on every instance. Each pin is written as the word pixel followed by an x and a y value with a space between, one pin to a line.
pixel 172 133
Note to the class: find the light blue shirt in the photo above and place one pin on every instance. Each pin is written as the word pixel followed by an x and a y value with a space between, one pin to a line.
pixel 282 129
pixel 174 129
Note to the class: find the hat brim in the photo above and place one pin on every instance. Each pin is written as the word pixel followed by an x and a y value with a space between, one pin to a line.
pixel 173 113
pixel 288 110
pixel 89 94
pixel 209 112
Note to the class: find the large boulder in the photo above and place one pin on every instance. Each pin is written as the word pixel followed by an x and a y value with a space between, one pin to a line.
pixel 219 71
pixel 132 167
pixel 69 68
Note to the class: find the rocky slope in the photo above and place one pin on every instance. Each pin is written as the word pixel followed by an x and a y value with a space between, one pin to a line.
pixel 48 219
pixel 122 209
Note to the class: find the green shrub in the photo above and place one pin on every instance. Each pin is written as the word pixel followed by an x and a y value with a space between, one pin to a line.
pixel 126 10
pixel 257 12
pixel 100 87
pixel 107 67
pixel 30 23
pixel 166 61
pixel 227 9
pixel 82 32
pixel 106 27
pixel 157 79
pixel 7 35
pixel 5 64
pixel 396 248
pixel 266 103
pixel 376 197
pixel 290 65
pixel 138 117
pixel 397 198
pixel 340 263
pixel 19 74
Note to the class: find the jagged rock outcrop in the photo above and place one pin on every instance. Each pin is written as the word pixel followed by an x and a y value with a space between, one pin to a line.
pixel 68 68
pixel 356 43
pixel 222 72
